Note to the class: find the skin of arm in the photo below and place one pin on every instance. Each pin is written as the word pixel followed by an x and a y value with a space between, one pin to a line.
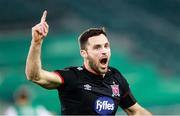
pixel 34 71
pixel 137 110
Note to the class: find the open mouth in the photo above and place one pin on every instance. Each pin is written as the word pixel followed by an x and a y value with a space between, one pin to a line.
pixel 103 61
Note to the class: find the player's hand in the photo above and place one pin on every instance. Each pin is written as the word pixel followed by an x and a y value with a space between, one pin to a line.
pixel 40 30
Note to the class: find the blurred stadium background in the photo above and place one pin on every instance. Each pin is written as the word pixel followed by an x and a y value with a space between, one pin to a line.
pixel 144 37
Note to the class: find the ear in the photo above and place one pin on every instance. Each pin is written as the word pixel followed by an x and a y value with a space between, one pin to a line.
pixel 83 53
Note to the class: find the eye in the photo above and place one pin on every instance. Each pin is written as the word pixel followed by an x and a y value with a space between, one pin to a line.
pixel 106 45
pixel 97 47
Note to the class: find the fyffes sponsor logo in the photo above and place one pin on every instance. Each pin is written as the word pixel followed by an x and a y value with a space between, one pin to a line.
pixel 104 105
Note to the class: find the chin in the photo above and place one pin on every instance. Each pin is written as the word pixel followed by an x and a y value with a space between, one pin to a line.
pixel 103 71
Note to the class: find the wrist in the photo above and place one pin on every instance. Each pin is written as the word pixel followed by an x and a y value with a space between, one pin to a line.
pixel 35 42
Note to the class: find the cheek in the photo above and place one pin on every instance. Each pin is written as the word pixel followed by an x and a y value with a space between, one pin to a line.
pixel 94 54
pixel 93 57
pixel 109 52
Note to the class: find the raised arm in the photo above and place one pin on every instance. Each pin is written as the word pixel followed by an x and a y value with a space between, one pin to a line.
pixel 34 71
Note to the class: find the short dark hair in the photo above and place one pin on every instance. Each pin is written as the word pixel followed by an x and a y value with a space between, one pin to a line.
pixel 83 38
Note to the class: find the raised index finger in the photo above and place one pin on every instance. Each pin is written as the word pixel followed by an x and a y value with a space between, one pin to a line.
pixel 43 18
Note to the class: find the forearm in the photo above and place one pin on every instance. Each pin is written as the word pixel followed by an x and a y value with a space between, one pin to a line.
pixel 33 62
pixel 137 110
pixel 140 113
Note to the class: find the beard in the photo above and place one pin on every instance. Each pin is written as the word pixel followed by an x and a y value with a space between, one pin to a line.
pixel 95 66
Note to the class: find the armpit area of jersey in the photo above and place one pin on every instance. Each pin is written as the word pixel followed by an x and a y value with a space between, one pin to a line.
pixel 59 75
pixel 68 76
pixel 127 100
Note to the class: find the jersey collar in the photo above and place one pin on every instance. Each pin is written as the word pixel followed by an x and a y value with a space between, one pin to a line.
pixel 100 77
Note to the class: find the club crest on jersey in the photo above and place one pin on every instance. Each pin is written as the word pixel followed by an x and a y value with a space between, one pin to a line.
pixel 115 90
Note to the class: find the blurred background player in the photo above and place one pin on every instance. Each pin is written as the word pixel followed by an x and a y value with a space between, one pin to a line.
pixel 23 105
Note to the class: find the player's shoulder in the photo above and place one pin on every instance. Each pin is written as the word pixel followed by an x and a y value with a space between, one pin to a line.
pixel 116 72
pixel 74 68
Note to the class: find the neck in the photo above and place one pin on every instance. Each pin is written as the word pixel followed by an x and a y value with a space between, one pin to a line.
pixel 87 67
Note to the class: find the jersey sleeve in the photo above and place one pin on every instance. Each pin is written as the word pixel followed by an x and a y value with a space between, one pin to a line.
pixel 67 76
pixel 127 98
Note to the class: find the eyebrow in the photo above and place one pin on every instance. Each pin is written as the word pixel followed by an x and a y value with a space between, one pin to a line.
pixel 98 45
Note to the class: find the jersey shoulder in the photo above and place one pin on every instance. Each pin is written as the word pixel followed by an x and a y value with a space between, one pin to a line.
pixel 115 71
pixel 117 74
pixel 74 68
